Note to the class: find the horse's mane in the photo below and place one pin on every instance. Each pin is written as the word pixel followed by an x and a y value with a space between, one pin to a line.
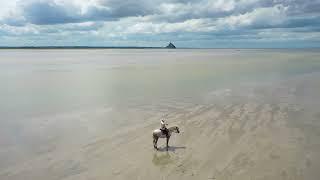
pixel 172 127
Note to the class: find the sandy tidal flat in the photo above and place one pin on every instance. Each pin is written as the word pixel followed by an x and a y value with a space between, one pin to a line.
pixel 253 122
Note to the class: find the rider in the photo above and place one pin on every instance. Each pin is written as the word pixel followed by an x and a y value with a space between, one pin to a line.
pixel 163 127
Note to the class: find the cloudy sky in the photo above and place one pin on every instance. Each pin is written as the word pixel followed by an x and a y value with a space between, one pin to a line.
pixel 188 23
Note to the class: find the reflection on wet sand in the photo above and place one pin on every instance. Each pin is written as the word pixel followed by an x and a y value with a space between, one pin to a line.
pixel 161 159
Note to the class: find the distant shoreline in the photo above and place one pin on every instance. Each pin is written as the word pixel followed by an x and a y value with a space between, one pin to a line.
pixel 78 47
pixel 134 47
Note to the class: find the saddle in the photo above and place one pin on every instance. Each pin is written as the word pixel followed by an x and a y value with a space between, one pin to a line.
pixel 165 131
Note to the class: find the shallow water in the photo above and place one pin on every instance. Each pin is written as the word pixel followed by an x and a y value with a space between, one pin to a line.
pixel 50 81
pixel 70 107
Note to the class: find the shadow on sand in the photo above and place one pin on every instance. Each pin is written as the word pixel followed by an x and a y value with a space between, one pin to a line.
pixel 171 148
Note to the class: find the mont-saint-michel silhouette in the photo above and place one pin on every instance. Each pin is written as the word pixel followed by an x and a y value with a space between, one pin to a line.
pixel 171 46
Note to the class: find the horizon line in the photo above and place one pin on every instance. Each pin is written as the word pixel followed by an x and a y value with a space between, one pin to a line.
pixel 143 47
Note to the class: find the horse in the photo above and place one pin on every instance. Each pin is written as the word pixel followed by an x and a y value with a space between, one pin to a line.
pixel 159 134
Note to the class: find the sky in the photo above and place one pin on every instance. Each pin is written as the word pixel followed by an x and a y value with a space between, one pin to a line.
pixel 186 23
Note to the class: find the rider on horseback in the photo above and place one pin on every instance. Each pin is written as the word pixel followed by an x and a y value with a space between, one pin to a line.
pixel 163 128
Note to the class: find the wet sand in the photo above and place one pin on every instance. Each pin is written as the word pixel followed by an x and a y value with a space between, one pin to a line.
pixel 252 130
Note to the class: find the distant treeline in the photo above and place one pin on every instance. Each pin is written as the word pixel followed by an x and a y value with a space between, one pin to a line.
pixel 77 47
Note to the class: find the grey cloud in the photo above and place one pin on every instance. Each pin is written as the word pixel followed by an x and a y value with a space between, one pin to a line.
pixel 308 23
pixel 49 12
pixel 42 12
pixel 14 21
pixel 302 22
pixel 127 8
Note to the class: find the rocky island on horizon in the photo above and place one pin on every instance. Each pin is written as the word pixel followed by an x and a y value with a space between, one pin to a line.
pixel 171 46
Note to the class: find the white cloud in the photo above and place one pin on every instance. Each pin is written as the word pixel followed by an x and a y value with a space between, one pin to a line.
pixel 192 25
pixel 142 25
pixel 260 17
pixel 6 6
pixel 22 30
pixel 221 5
pixel 175 8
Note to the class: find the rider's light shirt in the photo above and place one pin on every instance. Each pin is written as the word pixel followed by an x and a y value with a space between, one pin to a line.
pixel 162 124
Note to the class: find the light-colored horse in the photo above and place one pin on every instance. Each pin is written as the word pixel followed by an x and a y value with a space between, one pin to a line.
pixel 159 134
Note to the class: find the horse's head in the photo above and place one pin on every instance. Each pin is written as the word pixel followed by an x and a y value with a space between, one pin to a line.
pixel 177 129
pixel 174 129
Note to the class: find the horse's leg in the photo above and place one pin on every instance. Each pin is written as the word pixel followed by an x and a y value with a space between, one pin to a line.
pixel 155 139
pixel 156 142
pixel 168 142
